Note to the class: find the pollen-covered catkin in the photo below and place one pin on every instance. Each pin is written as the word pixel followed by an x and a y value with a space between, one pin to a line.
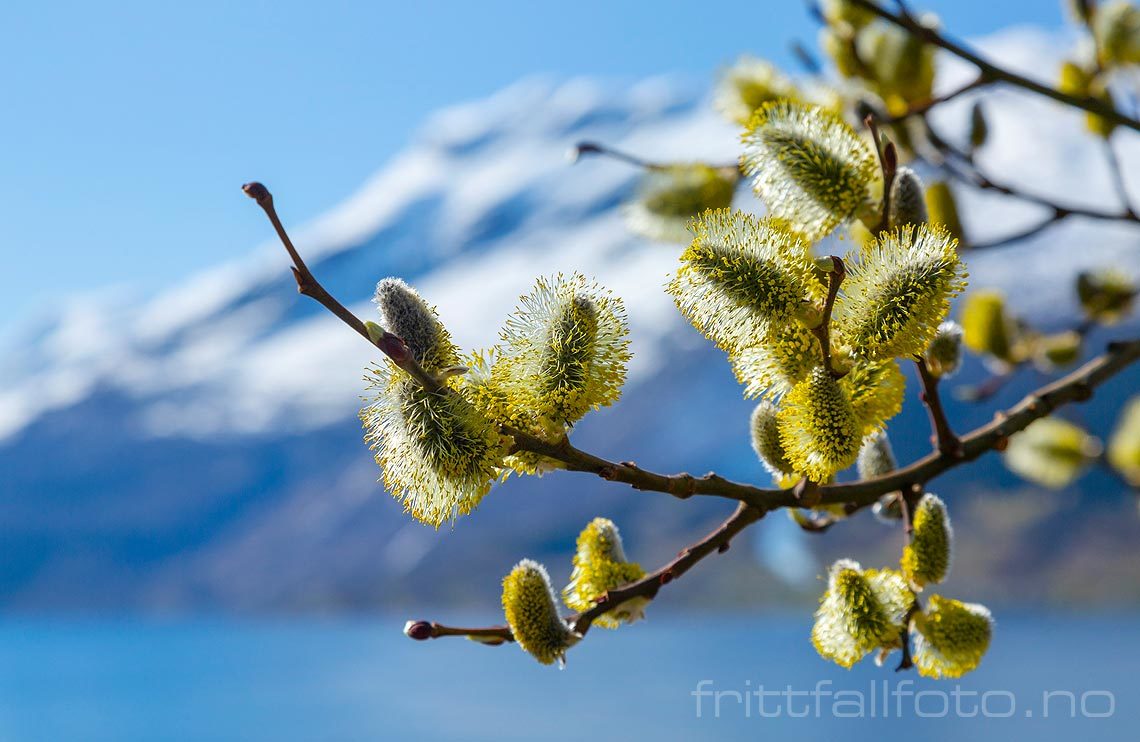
pixel 532 613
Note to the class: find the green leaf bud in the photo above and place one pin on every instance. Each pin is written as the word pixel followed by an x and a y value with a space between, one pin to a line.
pixel 669 197
pixel 926 559
pixel 951 637
pixel 808 165
pixel 1106 296
pixel 1124 445
pixel 898 292
pixel 404 313
pixel 600 565
pixel 532 614
pixel 741 277
pixel 818 427
pixel 748 84
pixel 1051 452
pixel 941 208
pixel 908 199
pixel 862 610
pixel 944 354
pixel 768 446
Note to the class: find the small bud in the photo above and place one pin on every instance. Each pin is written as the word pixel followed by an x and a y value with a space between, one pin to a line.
pixel 532 614
pixel 876 458
pixel 1095 123
pixel 1058 350
pixel 888 509
pixel 767 445
pixel 375 332
pixel 748 84
pixel 898 291
pixel 1051 452
pixel 951 637
pixel 418 630
pixel 406 315
pixel 1074 79
pixel 1106 296
pixel 818 427
pixel 985 326
pixel 942 208
pixel 944 354
pixel 670 197
pixel 862 610
pixel 926 559
pixel 908 199
pixel 1124 445
pixel 808 165
pixel 979 129
pixel 600 565
pixel 742 278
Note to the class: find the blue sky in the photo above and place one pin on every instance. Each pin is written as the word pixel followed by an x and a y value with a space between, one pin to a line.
pixel 129 126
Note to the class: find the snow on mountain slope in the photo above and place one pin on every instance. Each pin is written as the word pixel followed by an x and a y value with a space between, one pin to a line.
pixel 200 448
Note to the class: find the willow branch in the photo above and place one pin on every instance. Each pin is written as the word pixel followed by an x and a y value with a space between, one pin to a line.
pixel 604 150
pixel 998 74
pixel 307 284
pixel 716 542
pixel 920 109
pixel 1075 387
pixel 944 438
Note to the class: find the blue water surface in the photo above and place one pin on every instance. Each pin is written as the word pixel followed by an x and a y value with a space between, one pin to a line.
pixel 363 680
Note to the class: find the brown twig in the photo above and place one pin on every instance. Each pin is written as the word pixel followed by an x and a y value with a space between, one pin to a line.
pixel 920 109
pixel 822 331
pixel 993 72
pixel 944 438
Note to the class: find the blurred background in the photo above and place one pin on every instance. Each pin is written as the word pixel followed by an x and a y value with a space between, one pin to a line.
pixel 194 542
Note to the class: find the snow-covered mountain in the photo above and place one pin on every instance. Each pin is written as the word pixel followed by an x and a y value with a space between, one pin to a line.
pixel 199 450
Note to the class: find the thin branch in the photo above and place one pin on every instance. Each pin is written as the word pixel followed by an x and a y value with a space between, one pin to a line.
pixel 822 331
pixel 604 150
pixel 1118 180
pixel 932 36
pixel 920 109
pixel 307 284
pixel 944 438
pixel 888 162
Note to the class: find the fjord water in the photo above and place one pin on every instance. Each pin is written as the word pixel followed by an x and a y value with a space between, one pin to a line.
pixel 363 680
